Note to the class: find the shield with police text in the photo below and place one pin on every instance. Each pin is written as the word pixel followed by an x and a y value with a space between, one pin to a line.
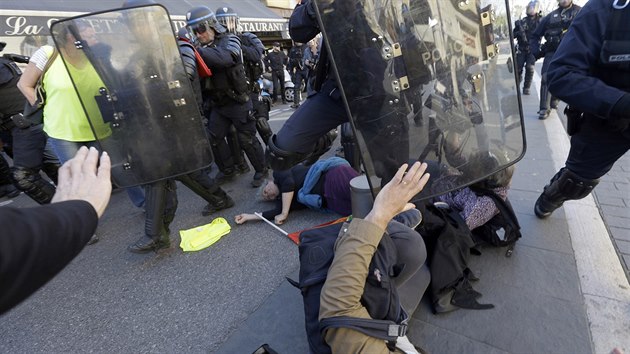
pixel 427 80
pixel 133 93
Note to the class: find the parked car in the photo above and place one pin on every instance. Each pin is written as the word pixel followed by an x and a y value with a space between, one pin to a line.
pixel 288 85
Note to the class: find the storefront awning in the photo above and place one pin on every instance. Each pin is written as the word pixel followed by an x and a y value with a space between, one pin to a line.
pixel 24 18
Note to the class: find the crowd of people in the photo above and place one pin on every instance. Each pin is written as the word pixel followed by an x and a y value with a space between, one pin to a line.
pixel 79 190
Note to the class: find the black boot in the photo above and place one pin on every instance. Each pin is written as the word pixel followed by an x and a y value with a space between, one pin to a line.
pixel 259 177
pixel 147 244
pixel 565 185
pixel 223 201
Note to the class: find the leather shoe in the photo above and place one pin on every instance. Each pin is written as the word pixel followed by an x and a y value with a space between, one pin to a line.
pixel 147 244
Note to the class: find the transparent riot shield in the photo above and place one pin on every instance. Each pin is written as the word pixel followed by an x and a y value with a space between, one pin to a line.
pixel 428 80
pixel 127 71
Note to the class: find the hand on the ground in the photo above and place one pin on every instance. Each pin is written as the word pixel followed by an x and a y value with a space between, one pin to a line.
pixel 243 218
pixel 395 195
pixel 281 218
pixel 79 178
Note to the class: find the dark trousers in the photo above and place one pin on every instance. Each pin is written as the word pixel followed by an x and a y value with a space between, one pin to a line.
pixel 525 60
pixel 30 150
pixel 596 147
pixel 299 79
pixel 319 114
pixel 220 122
pixel 277 76
pixel 545 95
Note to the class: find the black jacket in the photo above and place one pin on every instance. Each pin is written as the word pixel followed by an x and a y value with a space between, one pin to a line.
pixel 37 243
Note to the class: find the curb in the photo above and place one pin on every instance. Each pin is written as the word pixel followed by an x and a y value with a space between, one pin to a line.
pixel 603 282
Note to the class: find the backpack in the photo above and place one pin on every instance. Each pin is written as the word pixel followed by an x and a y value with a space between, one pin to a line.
pixel 503 230
pixel 380 297
pixel 448 240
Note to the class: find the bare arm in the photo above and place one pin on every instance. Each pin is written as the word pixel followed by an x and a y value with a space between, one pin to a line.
pixel 28 81
pixel 243 218
pixel 287 198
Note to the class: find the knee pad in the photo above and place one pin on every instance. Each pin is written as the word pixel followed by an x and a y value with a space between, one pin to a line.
pixel 281 160
pixel 30 182
pixel 566 185
pixel 264 130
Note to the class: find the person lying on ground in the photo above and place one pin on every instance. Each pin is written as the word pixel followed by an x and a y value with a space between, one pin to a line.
pixel 325 185
pixel 37 243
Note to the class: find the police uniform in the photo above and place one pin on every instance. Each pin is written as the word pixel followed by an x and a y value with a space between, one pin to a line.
pixel 299 71
pixel 523 29
pixel 29 151
pixel 228 93
pixel 309 132
pixel 591 72
pixel 552 27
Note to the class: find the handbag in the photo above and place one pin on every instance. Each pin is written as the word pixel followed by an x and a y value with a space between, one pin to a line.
pixel 34 114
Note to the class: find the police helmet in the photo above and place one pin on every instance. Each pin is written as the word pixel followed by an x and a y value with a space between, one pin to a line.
pixel 228 18
pixel 533 8
pixel 201 18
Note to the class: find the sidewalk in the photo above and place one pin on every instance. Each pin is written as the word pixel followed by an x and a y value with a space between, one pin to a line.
pixel 563 290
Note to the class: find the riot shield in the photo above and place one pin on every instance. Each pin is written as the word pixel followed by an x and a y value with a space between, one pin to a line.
pixel 127 71
pixel 428 80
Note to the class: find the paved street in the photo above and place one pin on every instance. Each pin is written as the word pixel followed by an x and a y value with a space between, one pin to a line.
pixel 563 290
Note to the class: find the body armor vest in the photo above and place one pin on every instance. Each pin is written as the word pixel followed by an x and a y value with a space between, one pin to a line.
pixel 559 22
pixel 227 85
pixel 614 61
pixel 12 101
pixel 253 69
pixel 525 27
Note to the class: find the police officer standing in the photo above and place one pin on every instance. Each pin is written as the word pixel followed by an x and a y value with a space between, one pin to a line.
pixel 523 29
pixel 29 149
pixel 298 70
pixel 252 49
pixel 276 61
pixel 591 72
pixel 227 89
pixel 552 27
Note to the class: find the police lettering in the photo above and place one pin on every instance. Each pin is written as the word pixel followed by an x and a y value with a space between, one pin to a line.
pixel 455 48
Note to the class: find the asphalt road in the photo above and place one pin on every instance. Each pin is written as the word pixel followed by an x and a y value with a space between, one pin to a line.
pixel 111 300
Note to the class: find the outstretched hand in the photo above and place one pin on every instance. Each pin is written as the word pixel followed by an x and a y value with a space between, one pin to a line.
pixel 394 196
pixel 80 179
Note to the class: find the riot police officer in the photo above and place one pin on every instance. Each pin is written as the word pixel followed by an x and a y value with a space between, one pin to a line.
pixel 311 129
pixel 29 142
pixel 298 70
pixel 275 61
pixel 552 27
pixel 591 72
pixel 227 90
pixel 523 29
pixel 252 49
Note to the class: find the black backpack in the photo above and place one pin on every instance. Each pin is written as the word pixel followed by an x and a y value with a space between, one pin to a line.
pixel 380 297
pixel 503 230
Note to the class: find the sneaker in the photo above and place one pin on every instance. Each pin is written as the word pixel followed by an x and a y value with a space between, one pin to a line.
pixel 224 177
pixel 259 177
pixel 295 106
pixel 224 204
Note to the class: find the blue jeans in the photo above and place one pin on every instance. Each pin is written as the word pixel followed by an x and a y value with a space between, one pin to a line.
pixel 66 150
